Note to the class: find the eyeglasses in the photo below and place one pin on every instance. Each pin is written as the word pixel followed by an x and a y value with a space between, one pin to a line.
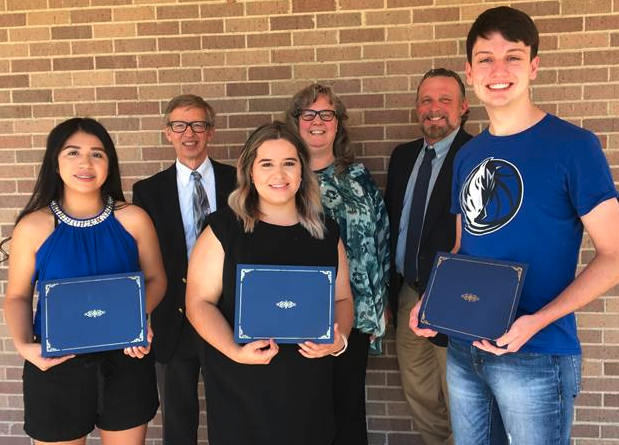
pixel 309 115
pixel 196 126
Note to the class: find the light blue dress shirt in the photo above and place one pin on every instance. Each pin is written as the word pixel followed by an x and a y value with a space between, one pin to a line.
pixel 441 148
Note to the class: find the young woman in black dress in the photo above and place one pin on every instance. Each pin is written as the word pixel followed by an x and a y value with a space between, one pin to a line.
pixel 275 218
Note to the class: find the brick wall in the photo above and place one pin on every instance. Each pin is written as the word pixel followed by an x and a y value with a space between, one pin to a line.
pixel 121 60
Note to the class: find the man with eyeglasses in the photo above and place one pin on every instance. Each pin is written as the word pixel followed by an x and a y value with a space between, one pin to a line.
pixel 178 200
pixel 418 200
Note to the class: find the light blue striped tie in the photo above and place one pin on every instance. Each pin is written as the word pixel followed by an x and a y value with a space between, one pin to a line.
pixel 201 207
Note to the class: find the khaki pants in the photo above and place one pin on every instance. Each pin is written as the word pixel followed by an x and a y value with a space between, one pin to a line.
pixel 422 369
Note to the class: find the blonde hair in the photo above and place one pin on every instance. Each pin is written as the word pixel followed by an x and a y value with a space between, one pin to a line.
pixel 244 200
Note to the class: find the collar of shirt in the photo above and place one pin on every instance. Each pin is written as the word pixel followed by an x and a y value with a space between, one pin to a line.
pixel 205 169
pixel 441 147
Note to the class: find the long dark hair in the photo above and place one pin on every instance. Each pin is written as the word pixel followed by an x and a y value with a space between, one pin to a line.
pixel 49 185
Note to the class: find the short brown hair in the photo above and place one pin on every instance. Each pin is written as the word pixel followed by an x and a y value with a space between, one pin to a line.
pixel 190 100
pixel 342 150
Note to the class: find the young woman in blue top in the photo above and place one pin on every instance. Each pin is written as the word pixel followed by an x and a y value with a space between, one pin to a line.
pixel 76 223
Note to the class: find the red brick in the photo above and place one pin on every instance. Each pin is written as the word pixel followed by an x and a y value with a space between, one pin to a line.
pixel 562 59
pixel 71 32
pixel 32 96
pixel 246 120
pixel 277 104
pixel 74 95
pixel 177 75
pixel 604 22
pixel 602 125
pixel 91 47
pixel 362 35
pixel 315 70
pixel 14 81
pixel 363 101
pixel 13 5
pixel 73 63
pixel 269 8
pixel 229 105
pixel 68 3
pixel 121 123
pixel 559 24
pixel 272 39
pixel 388 18
pixel 115 62
pixel 300 6
pixel 158 60
pixel 292 55
pixel 293 22
pixel 7 142
pixel 158 28
pixel 360 69
pixel 408 3
pixel 110 2
pixel 436 15
pixel 135 45
pixel 50 49
pixel 179 43
pixel 227 9
pixel 223 42
pixel 245 25
pixel 338 53
pixel 137 108
pixel 55 110
pixel 536 9
pixel 583 75
pixel 270 72
pixel 96 109
pixel 116 93
pixel 202 27
pixel 91 15
pixel 247 89
pixel 11 20
pixel 339 20
pixel 217 74
pixel 386 51
pixel 601 57
pixel 362 4
pixel 571 7
pixel 177 12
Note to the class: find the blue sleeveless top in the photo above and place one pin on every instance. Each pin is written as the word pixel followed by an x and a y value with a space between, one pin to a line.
pixel 83 247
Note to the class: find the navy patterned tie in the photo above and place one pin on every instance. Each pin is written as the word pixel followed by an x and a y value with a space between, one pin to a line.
pixel 415 219
pixel 201 206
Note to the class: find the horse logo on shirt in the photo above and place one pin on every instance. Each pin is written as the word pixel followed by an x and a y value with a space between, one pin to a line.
pixel 491 196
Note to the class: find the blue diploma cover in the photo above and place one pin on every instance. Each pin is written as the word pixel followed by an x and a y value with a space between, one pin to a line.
pixel 472 298
pixel 91 314
pixel 289 304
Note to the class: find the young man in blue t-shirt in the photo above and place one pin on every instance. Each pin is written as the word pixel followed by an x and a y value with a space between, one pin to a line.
pixel 523 190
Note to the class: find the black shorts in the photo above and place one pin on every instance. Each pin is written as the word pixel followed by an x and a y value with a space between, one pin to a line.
pixel 109 389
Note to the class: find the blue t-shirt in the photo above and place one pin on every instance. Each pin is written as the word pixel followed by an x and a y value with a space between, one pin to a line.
pixel 521 198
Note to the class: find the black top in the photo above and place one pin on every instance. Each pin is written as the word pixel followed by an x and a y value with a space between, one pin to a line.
pixel 288 401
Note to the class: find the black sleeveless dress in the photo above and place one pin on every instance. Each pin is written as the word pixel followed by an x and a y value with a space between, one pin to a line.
pixel 290 400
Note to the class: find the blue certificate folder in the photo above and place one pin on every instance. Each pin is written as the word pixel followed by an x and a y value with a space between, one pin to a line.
pixel 289 304
pixel 472 298
pixel 91 314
